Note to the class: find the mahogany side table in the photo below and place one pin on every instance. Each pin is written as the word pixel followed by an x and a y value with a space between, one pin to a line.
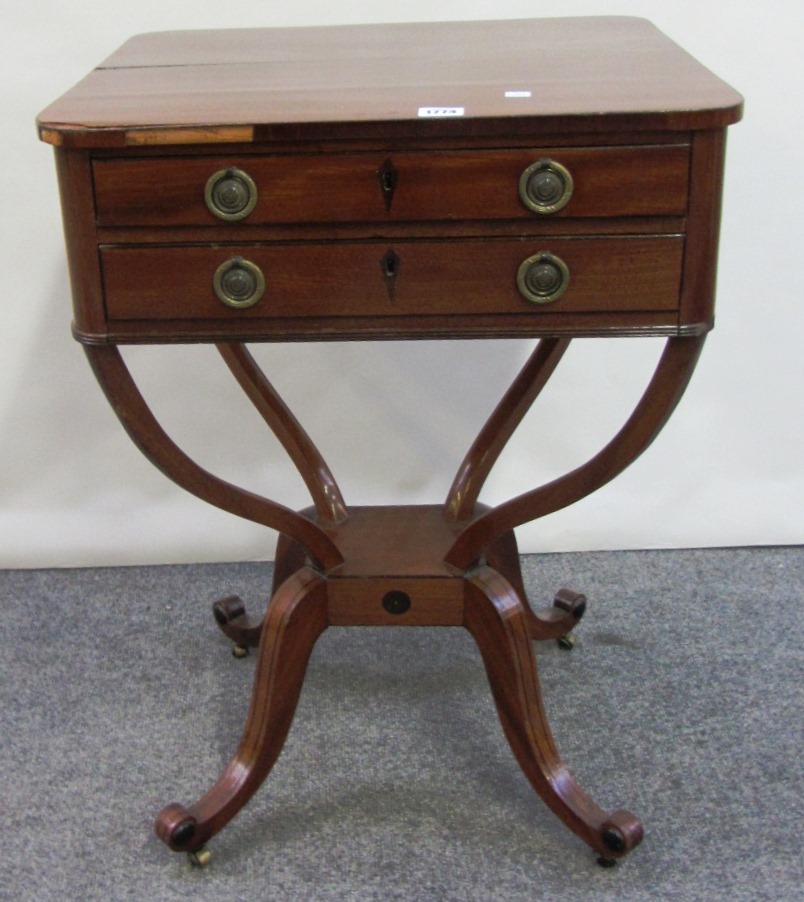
pixel 554 178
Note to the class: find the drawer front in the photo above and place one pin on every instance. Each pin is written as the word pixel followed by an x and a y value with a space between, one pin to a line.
pixel 390 187
pixel 411 278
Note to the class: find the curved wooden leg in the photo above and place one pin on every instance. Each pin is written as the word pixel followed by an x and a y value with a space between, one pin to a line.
pixel 296 617
pixel 289 557
pixel 146 432
pixel 556 622
pixel 501 425
pixel 503 556
pixel 230 612
pixel 496 618
pixel 312 468
pixel 244 631
pixel 664 391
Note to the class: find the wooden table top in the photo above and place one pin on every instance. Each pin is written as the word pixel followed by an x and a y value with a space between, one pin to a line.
pixel 512 77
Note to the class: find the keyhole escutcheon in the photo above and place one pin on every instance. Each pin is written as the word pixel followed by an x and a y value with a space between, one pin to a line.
pixel 388 177
pixel 389 265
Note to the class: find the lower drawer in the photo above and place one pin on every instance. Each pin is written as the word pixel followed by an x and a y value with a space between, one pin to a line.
pixel 406 278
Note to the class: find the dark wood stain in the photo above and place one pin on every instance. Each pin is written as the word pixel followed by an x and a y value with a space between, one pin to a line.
pixel 373 221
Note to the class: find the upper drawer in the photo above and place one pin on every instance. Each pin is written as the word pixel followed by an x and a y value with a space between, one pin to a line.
pixel 397 187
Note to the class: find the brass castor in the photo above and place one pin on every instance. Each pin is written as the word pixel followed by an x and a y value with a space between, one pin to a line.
pixel 567 641
pixel 200 858
pixel 575 605
pixel 239 651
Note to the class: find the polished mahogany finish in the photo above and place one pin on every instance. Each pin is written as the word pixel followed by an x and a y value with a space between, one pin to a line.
pixel 551 178
pixel 366 81
pixel 333 188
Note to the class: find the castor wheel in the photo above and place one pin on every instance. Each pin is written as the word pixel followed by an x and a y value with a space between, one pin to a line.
pixel 200 858
pixel 225 610
pixel 606 862
pixel 239 651
pixel 566 642
pixel 575 605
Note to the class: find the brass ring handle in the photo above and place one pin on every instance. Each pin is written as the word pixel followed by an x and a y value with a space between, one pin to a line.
pixel 230 194
pixel 542 278
pixel 545 187
pixel 238 283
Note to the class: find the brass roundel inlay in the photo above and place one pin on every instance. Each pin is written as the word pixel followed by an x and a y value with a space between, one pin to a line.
pixel 546 187
pixel 230 194
pixel 542 278
pixel 238 283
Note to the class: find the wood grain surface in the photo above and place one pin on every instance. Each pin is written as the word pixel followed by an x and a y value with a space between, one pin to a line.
pixel 372 80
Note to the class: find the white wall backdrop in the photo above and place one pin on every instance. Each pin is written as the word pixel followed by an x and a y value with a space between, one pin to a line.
pixel 727 470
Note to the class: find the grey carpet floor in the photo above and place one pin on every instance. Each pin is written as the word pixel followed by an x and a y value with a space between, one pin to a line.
pixel 681 701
